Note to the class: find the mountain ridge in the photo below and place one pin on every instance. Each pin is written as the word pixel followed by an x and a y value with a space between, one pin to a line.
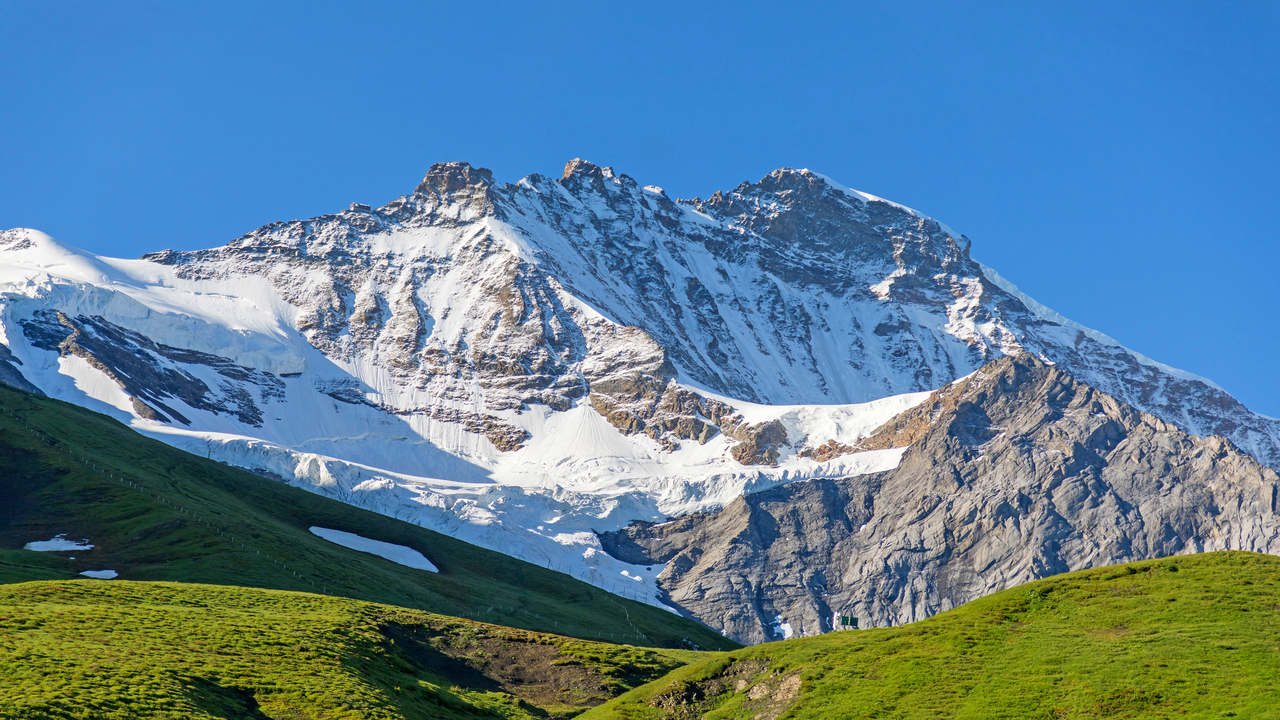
pixel 523 364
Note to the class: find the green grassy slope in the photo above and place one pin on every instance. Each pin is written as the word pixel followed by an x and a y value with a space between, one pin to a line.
pixel 117 649
pixel 1187 637
pixel 156 513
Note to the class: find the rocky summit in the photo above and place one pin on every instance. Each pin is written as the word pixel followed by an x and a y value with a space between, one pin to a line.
pixel 531 366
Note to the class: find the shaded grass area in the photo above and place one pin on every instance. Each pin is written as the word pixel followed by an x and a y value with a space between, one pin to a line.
pixel 147 650
pixel 153 512
pixel 1191 636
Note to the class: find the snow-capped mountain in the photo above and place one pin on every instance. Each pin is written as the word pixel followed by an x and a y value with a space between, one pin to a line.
pixel 523 364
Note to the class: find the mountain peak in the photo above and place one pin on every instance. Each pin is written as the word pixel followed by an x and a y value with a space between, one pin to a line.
pixel 451 177
pixel 801 182
pixel 23 238
pixel 586 169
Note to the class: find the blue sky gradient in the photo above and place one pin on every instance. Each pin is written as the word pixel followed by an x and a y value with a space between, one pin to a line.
pixel 1118 161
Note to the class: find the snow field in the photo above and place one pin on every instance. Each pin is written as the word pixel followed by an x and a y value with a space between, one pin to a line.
pixel 58 544
pixel 398 554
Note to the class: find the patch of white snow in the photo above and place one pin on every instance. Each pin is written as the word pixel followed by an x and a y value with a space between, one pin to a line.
pixel 58 544
pixel 395 553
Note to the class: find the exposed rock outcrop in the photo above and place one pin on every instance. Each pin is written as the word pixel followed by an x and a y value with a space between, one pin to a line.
pixel 150 372
pixel 10 374
pixel 769 694
pixel 1015 473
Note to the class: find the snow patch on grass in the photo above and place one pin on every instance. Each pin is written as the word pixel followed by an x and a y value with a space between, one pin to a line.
pixel 395 553
pixel 58 544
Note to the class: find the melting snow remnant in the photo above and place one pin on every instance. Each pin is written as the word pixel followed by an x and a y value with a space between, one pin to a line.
pixel 395 553
pixel 58 544
pixel 100 574
pixel 782 628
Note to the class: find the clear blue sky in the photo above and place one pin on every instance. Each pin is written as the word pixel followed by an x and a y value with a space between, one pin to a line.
pixel 1119 161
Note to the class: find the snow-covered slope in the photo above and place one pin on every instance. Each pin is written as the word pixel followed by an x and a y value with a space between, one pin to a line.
pixel 522 364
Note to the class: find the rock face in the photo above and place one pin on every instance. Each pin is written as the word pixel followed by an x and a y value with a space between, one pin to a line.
pixel 1015 473
pixel 11 375
pixel 152 372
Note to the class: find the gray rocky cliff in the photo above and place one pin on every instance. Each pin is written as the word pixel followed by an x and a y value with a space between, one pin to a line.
pixel 1014 473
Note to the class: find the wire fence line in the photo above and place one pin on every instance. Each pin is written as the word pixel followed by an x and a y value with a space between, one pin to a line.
pixel 626 614
pixel 322 588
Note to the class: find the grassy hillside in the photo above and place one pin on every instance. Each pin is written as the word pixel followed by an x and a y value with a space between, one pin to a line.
pixel 79 649
pixel 1187 637
pixel 156 513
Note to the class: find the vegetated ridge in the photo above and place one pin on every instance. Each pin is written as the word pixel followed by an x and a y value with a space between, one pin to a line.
pixel 125 650
pixel 1192 636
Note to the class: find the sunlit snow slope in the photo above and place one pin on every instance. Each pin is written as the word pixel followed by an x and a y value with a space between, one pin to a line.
pixel 520 365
